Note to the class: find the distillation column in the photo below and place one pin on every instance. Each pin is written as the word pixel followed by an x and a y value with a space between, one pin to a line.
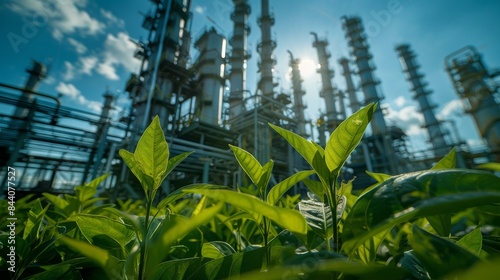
pixel 239 57
pixel 360 51
pixel 37 72
pixel 297 96
pixel 477 89
pixel 420 94
pixel 350 88
pixel 265 49
pixel 211 68
pixel 167 54
pixel 328 91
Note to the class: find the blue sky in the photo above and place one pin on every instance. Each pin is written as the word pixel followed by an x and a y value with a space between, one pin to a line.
pixel 86 43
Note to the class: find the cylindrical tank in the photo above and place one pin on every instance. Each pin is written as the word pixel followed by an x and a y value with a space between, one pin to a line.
pixel 211 63
pixel 37 72
pixel 420 94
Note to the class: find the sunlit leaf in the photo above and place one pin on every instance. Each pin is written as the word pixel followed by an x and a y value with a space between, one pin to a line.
pixel 146 181
pixel 248 163
pixel 100 230
pixel 346 137
pixel 447 162
pixel 281 188
pixel 472 241
pixel 152 151
pixel 287 218
pixel 216 249
pixel 179 193
pixel 493 166
pixel 379 177
pixel 173 162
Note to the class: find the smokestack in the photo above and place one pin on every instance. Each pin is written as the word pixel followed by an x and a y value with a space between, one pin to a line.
pixel 265 49
pixel 297 96
pixel 351 90
pixel 239 56
pixel 328 91
pixel 37 73
pixel 420 94
pixel 362 57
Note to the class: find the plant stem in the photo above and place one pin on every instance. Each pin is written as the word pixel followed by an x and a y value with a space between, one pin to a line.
pixel 332 202
pixel 142 259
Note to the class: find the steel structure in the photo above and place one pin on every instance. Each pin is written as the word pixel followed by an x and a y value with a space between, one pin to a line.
pixel 335 112
pixel 298 92
pixel 238 57
pixel 350 88
pixel 434 127
pixel 475 85
pixel 383 154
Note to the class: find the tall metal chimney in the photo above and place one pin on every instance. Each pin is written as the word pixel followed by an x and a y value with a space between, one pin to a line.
pixel 362 57
pixel 477 89
pixel 265 49
pixel 37 72
pixel 297 96
pixel 350 89
pixel 239 56
pixel 383 153
pixel 420 94
pixel 328 90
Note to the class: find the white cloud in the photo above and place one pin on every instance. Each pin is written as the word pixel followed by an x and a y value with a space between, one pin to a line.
pixel 69 72
pixel 68 89
pixel 79 47
pixel 74 94
pixel 87 64
pixel 400 101
pixel 112 18
pixel 108 71
pixel 407 118
pixel 199 9
pixel 454 107
pixel 118 51
pixel 64 17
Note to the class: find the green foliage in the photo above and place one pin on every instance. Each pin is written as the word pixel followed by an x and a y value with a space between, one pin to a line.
pixel 438 223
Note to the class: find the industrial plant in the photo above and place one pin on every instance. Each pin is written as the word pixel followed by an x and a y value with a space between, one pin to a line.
pixel 198 87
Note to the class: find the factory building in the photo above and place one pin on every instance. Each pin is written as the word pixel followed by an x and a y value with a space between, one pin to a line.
pixel 199 89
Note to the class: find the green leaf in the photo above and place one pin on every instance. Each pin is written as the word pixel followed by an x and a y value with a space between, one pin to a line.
pixel 415 195
pixel 287 218
pixel 379 177
pixel 95 254
pixel 472 241
pixel 176 269
pixel 248 163
pixel 439 256
pixel 311 152
pixel 411 263
pixel 346 137
pixel 316 188
pixel 231 266
pixel 447 162
pixel 441 223
pixel 281 188
pixel 34 221
pixel 318 216
pixel 166 235
pixel 87 191
pixel 173 162
pixel 493 166
pixel 152 152
pixel 216 249
pixel 58 272
pixel 146 181
pixel 267 171
pixel 103 231
pixel 179 193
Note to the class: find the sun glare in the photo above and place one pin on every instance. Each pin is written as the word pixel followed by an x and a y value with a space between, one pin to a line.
pixel 307 67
